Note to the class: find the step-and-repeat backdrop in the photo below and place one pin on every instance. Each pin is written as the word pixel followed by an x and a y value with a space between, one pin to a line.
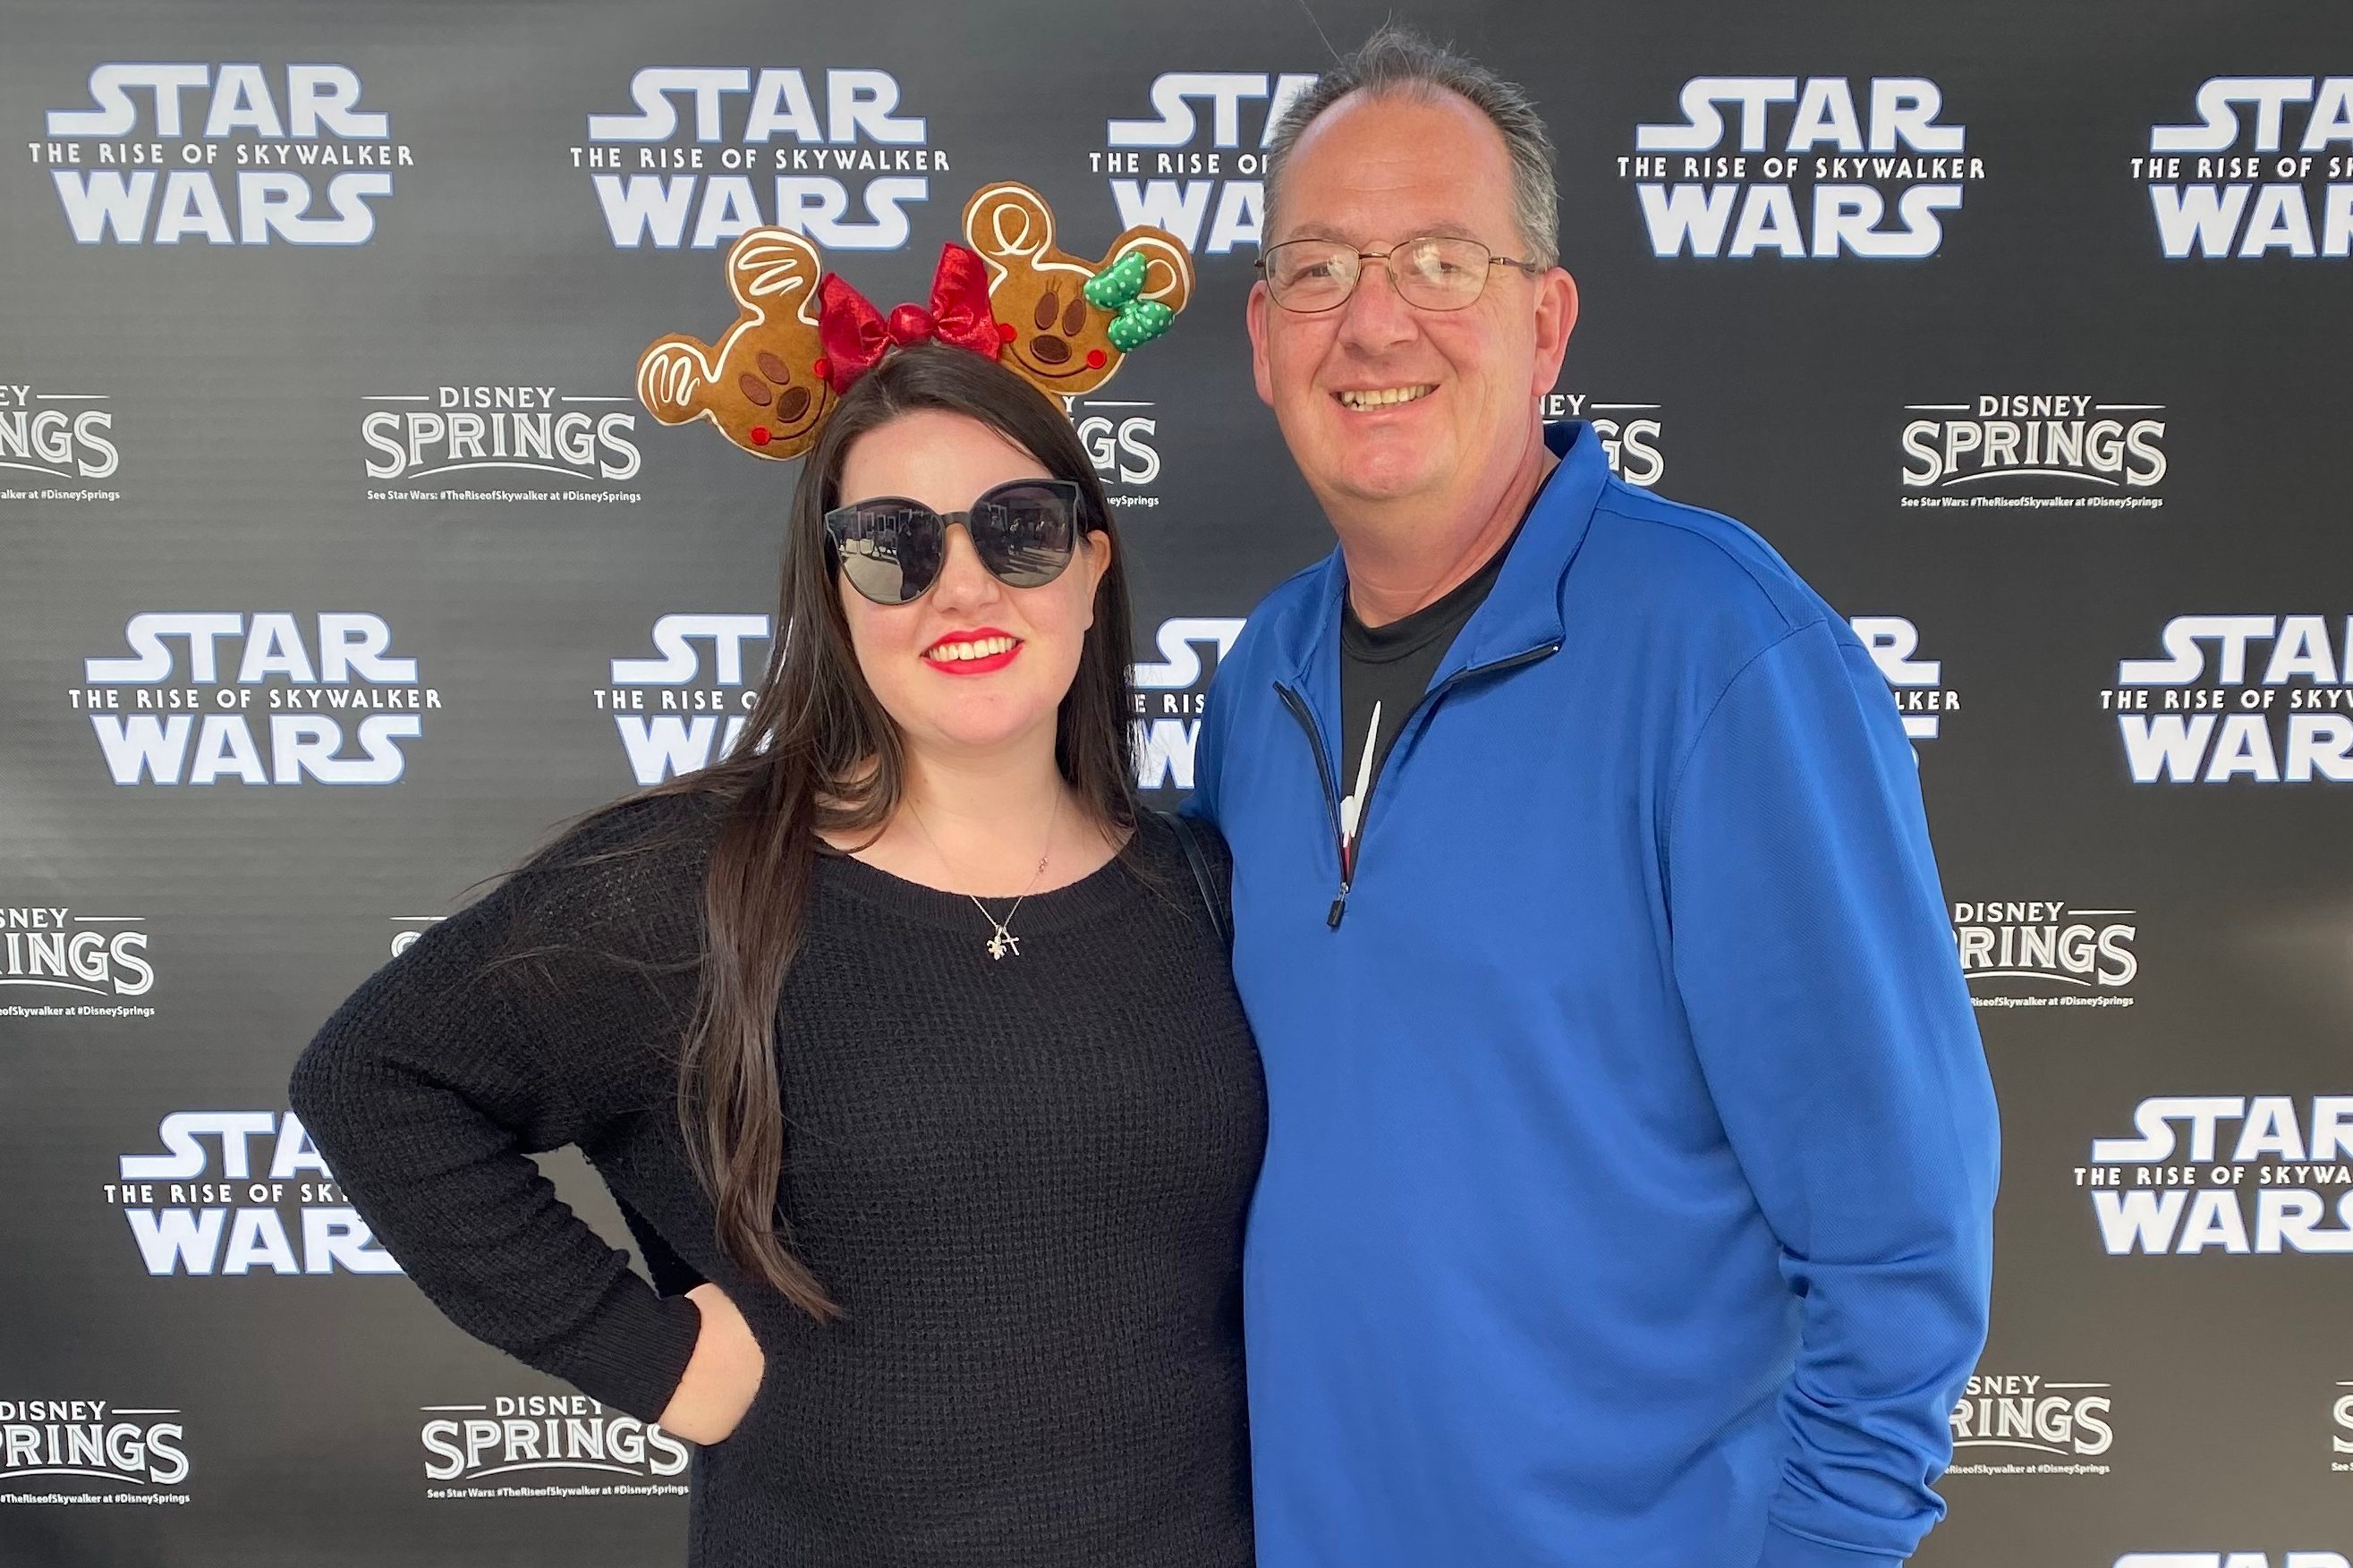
pixel 339 560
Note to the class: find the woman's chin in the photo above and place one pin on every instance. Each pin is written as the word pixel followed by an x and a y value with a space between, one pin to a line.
pixel 994 728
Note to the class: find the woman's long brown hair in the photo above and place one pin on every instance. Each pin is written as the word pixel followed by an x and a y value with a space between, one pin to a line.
pixel 817 750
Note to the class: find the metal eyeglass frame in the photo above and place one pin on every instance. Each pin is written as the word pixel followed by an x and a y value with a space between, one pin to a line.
pixel 1532 268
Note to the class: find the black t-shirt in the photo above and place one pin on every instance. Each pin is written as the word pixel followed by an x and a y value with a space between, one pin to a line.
pixel 1385 671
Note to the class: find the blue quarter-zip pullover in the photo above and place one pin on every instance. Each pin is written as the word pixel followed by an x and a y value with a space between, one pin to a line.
pixel 1632 1156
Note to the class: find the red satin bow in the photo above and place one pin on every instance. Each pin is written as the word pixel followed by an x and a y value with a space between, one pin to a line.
pixel 855 335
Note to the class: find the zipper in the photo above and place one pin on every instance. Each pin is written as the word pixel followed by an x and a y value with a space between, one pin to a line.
pixel 1298 706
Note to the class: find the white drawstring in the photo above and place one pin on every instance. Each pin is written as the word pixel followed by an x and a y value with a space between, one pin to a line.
pixel 1352 808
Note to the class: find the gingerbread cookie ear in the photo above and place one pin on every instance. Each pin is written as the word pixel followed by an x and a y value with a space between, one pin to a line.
pixel 763 383
pixel 1010 225
pixel 1168 265
pixel 768 267
pixel 1067 321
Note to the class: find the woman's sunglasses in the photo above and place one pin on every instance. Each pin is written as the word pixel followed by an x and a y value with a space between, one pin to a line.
pixel 892 548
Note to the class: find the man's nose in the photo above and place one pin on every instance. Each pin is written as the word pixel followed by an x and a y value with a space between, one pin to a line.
pixel 1375 316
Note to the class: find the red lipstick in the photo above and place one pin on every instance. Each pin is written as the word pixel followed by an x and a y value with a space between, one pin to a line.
pixel 987 665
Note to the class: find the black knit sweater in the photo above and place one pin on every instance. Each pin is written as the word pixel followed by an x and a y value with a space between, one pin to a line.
pixel 1023 1180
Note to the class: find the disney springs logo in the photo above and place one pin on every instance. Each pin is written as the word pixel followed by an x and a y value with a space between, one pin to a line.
pixel 1631 433
pixel 52 951
pixel 2034 449
pixel 79 1441
pixel 2024 1413
pixel 486 433
pixel 543 1441
pixel 71 442
pixel 2041 943
pixel 1120 444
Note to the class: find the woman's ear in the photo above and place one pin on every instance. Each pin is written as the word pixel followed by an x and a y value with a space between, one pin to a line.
pixel 1099 562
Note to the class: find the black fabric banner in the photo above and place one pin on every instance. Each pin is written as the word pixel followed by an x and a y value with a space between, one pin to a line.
pixel 339 559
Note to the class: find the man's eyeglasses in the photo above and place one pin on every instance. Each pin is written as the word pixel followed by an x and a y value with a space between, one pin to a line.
pixel 892 548
pixel 1431 271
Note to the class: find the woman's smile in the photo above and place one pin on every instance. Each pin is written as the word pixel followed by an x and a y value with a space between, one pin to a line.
pixel 981 652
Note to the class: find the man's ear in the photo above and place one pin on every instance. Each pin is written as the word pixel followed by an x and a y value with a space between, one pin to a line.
pixel 1255 311
pixel 1556 319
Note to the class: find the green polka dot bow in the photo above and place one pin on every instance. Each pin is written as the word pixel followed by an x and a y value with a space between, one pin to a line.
pixel 1119 286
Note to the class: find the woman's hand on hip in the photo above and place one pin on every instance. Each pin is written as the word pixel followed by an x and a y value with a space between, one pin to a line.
pixel 722 1377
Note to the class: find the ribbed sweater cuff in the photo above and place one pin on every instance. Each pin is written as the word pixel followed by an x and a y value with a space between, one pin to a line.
pixel 632 1350
pixel 1783 1549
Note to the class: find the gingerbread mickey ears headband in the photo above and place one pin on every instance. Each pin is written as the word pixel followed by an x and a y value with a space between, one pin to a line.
pixel 803 336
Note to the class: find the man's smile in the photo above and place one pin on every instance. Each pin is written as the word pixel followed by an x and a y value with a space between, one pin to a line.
pixel 1370 397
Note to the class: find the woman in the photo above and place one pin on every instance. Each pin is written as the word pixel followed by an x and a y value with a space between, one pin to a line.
pixel 900 1029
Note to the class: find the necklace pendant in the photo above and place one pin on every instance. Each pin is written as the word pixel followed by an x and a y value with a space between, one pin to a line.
pixel 1003 943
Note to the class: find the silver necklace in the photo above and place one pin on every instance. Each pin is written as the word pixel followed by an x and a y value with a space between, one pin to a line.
pixel 1001 942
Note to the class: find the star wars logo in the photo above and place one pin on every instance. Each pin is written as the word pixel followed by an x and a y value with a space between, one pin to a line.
pixel 1817 178
pixel 2169 1189
pixel 2033 450
pixel 307 690
pixel 2192 718
pixel 2036 944
pixel 2232 184
pixel 549 1439
pixel 105 1452
pixel 2232 1560
pixel 58 435
pixel 49 956
pixel 711 151
pixel 1120 439
pixel 1170 693
pixel 674 715
pixel 1191 169
pixel 1631 433
pixel 1916 684
pixel 2000 1414
pixel 200 1208
pixel 586 441
pixel 230 154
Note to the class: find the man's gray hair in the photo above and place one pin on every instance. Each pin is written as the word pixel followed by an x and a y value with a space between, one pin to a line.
pixel 1397 61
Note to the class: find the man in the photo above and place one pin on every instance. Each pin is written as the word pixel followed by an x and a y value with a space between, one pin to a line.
pixel 1633 1154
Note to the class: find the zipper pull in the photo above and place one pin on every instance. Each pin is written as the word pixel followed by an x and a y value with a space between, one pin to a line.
pixel 1348 879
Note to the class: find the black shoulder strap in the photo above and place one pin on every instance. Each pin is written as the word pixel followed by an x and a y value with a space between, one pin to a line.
pixel 1201 864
